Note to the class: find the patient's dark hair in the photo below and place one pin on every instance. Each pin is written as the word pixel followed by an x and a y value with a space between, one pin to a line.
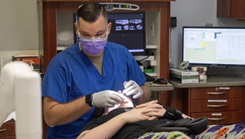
pixel 98 112
pixel 91 11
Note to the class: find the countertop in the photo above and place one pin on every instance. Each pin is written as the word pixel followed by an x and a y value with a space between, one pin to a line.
pixel 213 82
pixel 159 88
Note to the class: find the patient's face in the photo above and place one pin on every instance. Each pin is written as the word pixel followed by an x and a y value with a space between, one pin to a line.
pixel 126 103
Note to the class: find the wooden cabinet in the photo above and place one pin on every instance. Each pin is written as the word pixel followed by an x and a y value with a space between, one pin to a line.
pixel 231 8
pixel 221 105
pixel 50 8
pixel 7 131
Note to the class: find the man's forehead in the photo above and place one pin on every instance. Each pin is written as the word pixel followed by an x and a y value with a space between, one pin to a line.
pixel 90 32
pixel 101 19
pixel 85 27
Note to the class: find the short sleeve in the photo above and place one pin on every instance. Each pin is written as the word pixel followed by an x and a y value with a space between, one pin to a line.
pixel 55 85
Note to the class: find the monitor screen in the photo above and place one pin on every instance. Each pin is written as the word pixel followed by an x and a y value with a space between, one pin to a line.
pixel 128 29
pixel 213 45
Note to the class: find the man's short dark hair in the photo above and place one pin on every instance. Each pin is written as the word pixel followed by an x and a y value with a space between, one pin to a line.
pixel 91 11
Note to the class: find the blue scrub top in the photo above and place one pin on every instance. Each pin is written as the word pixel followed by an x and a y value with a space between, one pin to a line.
pixel 71 75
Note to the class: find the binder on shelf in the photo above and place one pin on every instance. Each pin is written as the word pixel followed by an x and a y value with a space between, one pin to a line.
pixel 184 72
pixel 183 81
pixel 184 76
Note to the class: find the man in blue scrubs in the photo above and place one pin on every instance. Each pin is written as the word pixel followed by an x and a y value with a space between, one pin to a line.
pixel 87 75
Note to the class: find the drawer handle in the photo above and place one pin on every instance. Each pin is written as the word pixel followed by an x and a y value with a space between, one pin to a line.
pixel 216 93
pixel 216 119
pixel 216 106
pixel 2 130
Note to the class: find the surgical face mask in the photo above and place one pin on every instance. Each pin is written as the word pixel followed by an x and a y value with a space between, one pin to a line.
pixel 93 46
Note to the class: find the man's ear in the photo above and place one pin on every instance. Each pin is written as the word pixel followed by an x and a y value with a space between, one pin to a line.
pixel 76 27
pixel 109 27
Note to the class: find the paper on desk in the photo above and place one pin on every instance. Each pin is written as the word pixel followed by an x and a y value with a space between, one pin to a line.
pixel 11 116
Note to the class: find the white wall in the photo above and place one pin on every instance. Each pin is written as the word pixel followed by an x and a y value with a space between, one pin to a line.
pixel 193 13
pixel 18 27
pixel 18 24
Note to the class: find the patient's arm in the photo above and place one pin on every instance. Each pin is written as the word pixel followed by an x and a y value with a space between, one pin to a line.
pixel 109 128
pixel 106 130
pixel 168 112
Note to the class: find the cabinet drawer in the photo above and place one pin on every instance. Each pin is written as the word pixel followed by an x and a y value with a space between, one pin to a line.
pixel 7 129
pixel 212 105
pixel 215 92
pixel 221 117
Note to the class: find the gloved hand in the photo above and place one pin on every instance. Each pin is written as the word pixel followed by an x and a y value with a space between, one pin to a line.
pixel 106 98
pixel 132 88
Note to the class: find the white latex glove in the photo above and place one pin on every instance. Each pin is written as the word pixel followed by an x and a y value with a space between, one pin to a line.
pixel 126 103
pixel 132 88
pixel 106 98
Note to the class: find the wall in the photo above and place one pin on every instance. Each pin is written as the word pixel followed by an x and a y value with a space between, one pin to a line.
pixel 18 28
pixel 193 13
pixel 19 25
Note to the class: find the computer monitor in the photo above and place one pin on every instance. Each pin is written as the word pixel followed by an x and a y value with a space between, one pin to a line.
pixel 128 29
pixel 213 45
